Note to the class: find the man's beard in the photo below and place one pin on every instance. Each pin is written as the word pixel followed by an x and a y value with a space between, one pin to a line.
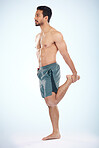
pixel 39 24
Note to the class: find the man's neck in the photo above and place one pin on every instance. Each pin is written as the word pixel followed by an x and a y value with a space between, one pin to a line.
pixel 45 28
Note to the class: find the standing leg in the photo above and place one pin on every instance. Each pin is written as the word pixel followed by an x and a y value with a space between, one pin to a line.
pixel 54 116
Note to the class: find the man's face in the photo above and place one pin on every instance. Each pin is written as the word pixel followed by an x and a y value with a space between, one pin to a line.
pixel 39 19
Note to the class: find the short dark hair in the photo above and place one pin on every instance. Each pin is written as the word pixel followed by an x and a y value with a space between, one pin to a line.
pixel 46 11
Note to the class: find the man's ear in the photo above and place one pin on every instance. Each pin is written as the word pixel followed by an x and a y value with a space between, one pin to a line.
pixel 46 18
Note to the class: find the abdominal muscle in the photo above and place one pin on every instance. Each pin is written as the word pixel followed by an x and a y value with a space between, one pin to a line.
pixel 46 55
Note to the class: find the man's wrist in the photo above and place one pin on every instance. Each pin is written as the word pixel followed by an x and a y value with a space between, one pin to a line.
pixel 75 73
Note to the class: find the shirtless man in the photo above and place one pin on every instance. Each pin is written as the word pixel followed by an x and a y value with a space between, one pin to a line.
pixel 48 42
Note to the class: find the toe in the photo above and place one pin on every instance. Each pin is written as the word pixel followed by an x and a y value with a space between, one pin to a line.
pixel 43 139
pixel 78 77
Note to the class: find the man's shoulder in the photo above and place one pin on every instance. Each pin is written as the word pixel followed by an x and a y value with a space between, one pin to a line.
pixel 56 34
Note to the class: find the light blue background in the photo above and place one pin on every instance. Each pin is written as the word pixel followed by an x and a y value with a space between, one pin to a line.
pixel 21 107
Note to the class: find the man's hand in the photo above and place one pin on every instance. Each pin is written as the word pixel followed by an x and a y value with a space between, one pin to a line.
pixel 75 77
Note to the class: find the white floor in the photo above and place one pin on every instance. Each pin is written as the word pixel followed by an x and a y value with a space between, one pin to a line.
pixel 67 141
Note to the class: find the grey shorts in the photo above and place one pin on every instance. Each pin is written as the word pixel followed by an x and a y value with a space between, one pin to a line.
pixel 49 77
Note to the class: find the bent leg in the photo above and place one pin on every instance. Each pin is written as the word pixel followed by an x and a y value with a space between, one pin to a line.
pixel 63 88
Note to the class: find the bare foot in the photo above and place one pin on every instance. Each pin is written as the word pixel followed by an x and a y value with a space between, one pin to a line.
pixel 52 136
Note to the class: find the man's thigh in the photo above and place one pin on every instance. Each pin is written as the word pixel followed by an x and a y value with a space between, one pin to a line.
pixel 51 100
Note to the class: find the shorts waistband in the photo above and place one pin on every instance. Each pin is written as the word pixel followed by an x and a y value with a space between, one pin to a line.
pixel 48 66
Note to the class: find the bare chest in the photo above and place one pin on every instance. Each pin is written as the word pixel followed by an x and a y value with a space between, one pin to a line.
pixel 46 41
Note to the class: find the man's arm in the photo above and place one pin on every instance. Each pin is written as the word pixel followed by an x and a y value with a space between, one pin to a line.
pixel 37 38
pixel 61 45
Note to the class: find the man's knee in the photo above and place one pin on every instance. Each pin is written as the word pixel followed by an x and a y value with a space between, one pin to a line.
pixel 50 102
